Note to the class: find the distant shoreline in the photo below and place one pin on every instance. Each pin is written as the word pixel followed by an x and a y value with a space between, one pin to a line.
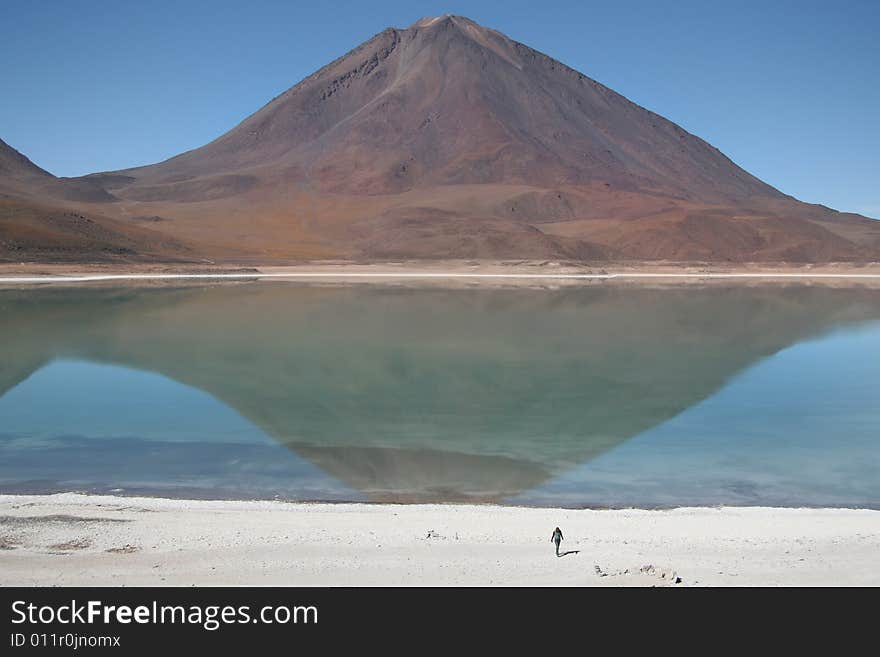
pixel 71 539
pixel 88 278
pixel 452 272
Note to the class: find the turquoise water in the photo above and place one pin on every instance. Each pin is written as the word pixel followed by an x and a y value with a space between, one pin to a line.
pixel 595 396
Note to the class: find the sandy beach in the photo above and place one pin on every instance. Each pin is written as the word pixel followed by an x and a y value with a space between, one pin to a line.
pixel 73 539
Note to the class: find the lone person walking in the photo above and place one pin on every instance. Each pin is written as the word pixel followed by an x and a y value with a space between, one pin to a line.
pixel 557 538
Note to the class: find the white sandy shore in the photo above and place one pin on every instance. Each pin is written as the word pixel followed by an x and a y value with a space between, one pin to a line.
pixel 72 539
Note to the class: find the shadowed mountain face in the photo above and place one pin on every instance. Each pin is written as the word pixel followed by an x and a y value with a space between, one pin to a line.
pixel 415 395
pixel 451 140
pixel 19 175
pixel 15 167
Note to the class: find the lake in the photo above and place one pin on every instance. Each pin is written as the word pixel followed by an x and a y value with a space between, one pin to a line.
pixel 593 396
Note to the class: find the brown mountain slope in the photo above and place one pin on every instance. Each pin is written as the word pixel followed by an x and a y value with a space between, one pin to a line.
pixel 40 220
pixel 450 140
pixel 20 176
pixel 449 102
pixel 33 232
pixel 16 168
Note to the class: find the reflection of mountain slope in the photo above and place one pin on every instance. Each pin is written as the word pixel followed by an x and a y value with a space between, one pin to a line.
pixel 433 394
pixel 391 474
pixel 15 368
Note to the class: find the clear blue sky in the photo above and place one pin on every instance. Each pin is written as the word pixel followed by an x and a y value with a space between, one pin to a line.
pixel 788 89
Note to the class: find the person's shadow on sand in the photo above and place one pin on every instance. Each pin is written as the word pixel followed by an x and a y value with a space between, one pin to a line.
pixel 562 554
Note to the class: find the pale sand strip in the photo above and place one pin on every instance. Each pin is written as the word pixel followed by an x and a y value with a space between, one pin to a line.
pixel 177 542
pixel 403 275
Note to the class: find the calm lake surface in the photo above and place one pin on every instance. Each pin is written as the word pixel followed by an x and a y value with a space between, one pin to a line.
pixel 589 396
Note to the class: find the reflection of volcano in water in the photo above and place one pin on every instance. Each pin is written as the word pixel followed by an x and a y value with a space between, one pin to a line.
pixel 429 395
pixel 392 474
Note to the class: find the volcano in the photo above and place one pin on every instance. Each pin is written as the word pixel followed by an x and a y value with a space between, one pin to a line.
pixel 450 140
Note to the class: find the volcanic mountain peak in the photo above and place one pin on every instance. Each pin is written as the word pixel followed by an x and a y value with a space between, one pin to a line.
pixel 452 22
pixel 448 139
pixel 443 102
pixel 452 25
pixel 432 20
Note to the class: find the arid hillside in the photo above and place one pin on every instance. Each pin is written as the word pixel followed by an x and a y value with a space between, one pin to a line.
pixel 49 219
pixel 450 140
